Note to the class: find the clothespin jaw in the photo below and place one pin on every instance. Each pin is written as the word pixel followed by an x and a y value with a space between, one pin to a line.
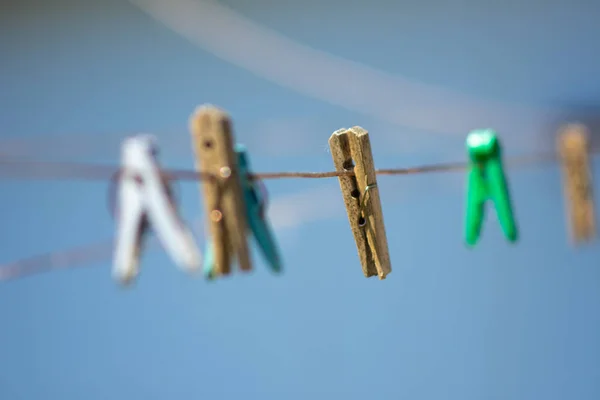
pixel 257 221
pixel 145 200
pixel 213 141
pixel 351 152
pixel 487 181
pixel 573 149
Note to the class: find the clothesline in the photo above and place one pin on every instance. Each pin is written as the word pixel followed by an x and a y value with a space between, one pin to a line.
pixel 235 208
pixel 86 254
pixel 88 171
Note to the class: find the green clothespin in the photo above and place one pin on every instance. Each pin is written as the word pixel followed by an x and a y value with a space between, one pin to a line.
pixel 487 181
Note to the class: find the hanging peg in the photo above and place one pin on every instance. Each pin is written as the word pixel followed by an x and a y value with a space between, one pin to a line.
pixel 257 221
pixel 144 200
pixel 255 211
pixel 351 151
pixel 487 181
pixel 223 197
pixel 573 148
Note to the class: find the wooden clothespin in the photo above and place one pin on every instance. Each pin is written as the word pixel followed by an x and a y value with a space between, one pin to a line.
pixel 573 148
pixel 144 200
pixel 258 223
pixel 351 151
pixel 213 142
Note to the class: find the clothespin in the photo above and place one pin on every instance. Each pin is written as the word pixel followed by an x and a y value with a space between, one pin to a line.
pixel 257 220
pixel 487 181
pixel 145 200
pixel 351 152
pixel 573 148
pixel 255 212
pixel 223 196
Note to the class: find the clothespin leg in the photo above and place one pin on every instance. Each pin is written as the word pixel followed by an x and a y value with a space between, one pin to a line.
pixel 257 223
pixel 266 242
pixel 176 238
pixel 500 194
pixel 174 235
pixel 209 261
pixel 475 210
pixel 129 232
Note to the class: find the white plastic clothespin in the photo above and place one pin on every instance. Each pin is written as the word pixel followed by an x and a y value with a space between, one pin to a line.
pixel 144 200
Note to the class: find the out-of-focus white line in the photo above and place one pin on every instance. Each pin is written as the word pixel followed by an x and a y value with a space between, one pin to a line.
pixel 242 42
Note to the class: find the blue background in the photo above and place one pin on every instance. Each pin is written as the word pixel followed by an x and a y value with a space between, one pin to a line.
pixel 498 322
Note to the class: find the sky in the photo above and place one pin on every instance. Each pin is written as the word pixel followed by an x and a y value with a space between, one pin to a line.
pixel 500 321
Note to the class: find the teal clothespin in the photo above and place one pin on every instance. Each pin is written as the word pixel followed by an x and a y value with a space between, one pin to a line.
pixel 257 221
pixel 487 181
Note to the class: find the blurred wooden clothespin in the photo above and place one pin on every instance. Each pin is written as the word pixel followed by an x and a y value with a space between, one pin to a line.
pixel 351 152
pixel 573 148
pixel 144 200
pixel 213 143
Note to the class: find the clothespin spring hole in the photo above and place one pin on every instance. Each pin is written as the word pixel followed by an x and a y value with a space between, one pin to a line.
pixel 348 165
pixel 362 221
pixel 355 193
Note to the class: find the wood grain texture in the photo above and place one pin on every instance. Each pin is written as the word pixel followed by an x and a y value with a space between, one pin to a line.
pixel 213 143
pixel 573 148
pixel 351 151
